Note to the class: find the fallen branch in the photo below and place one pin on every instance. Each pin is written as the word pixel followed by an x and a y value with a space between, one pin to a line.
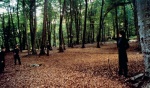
pixel 137 76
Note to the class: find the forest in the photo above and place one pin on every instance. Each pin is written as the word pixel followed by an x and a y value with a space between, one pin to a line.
pixel 32 24
pixel 67 25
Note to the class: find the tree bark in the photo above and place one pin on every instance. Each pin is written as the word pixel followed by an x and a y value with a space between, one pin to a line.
pixel 100 25
pixel 116 21
pixel 7 33
pixel 54 40
pixel 92 13
pixel 77 27
pixel 60 28
pixel 143 8
pixel 67 28
pixel 84 31
pixel 25 27
pixel 136 23
pixel 3 27
pixel 20 39
pixel 70 25
pixel 125 21
pixel 114 28
pixel 43 44
pixel 13 41
pixel 33 25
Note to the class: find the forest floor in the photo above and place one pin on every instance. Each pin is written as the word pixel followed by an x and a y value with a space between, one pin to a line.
pixel 77 67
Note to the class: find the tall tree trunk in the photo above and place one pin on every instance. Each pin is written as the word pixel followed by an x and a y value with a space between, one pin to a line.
pixel 125 21
pixel 13 42
pixel 116 21
pixel 54 40
pixel 60 28
pixel 143 8
pixel 67 27
pixel 50 37
pixel 70 25
pixel 80 20
pixel 43 44
pixel 77 26
pixel 25 27
pixel 103 33
pixel 7 33
pixel 20 39
pixel 136 23
pixel 100 25
pixel 93 32
pixel 92 24
pixel 3 27
pixel 33 24
pixel 84 31
pixel 49 26
pixel 114 28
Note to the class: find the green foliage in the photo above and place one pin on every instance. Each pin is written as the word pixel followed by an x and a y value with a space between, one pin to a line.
pixel 54 11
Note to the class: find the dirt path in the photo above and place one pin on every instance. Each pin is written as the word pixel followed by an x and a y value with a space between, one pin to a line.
pixel 75 68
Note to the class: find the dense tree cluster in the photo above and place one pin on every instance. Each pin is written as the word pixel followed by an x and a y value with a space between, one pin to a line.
pixel 36 23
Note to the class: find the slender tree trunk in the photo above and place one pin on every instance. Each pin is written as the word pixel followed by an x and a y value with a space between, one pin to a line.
pixel 114 28
pixel 67 27
pixel 33 24
pixel 13 30
pixel 80 21
pixel 3 27
pixel 43 44
pixel 93 32
pixel 143 8
pixel 49 28
pixel 20 41
pixel 60 35
pixel 125 21
pixel 60 29
pixel 70 25
pixel 136 23
pixel 77 26
pixel 54 40
pixel 103 33
pixel 84 31
pixel 116 21
pixel 25 27
pixel 92 24
pixel 48 44
pixel 7 33
pixel 100 25
pixel 50 37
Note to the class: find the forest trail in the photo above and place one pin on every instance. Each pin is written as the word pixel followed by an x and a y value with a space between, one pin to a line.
pixel 75 68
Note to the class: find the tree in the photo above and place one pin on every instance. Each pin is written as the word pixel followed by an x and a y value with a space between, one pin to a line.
pixel 125 20
pixel 60 28
pixel 70 25
pixel 100 25
pixel 92 21
pixel 84 31
pixel 33 24
pixel 116 21
pixel 18 23
pixel 143 8
pixel 75 12
pixel 43 44
pixel 25 26
pixel 136 23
